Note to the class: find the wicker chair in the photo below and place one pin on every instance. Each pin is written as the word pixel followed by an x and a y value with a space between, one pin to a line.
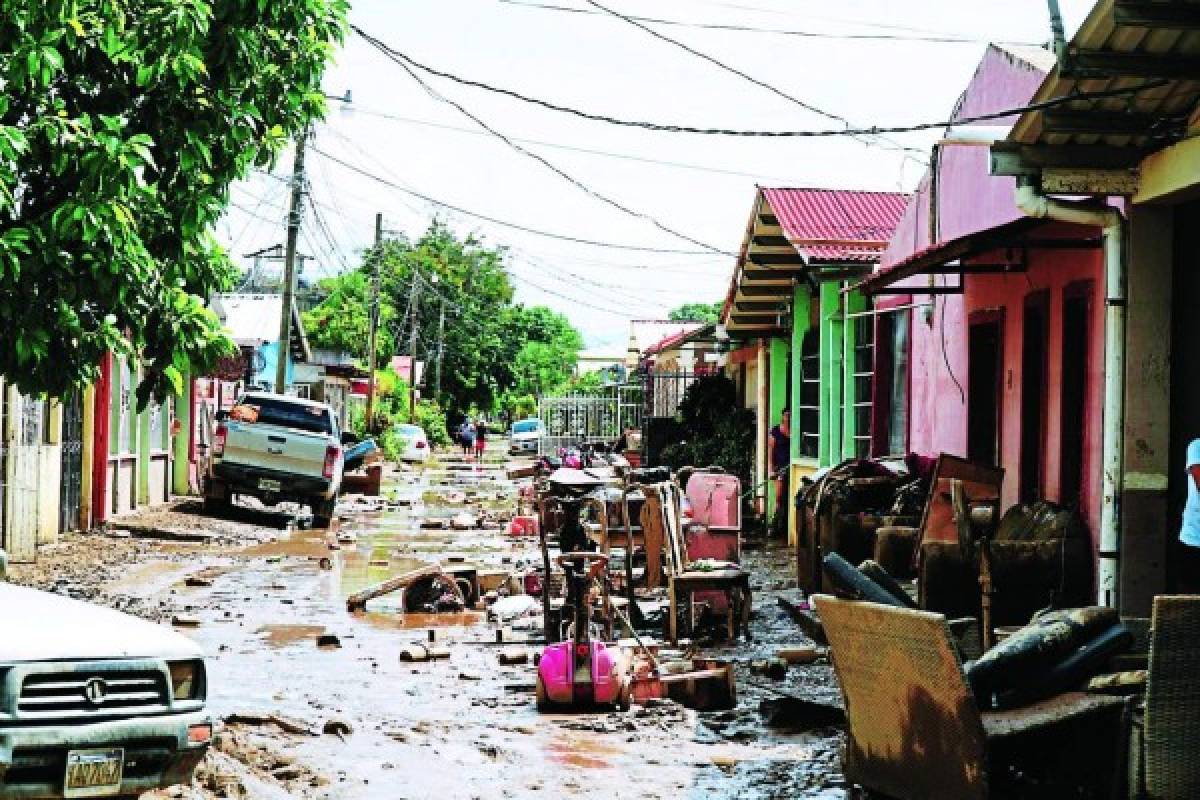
pixel 916 733
pixel 1171 729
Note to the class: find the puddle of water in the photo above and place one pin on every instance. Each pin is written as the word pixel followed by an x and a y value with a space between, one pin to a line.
pixel 378 618
pixel 282 635
pixel 584 753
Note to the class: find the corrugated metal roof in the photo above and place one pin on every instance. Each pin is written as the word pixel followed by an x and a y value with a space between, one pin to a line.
pixel 836 225
pixel 1121 46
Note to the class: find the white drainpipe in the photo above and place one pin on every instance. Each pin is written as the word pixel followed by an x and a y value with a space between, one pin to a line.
pixel 1038 205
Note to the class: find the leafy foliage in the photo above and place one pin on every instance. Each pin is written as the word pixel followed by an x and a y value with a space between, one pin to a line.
pixel 122 125
pixel 496 354
pixel 714 430
pixel 696 312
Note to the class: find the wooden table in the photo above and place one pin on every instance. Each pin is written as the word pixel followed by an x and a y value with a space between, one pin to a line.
pixel 735 583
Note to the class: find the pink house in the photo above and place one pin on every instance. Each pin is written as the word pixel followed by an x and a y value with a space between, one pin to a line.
pixel 996 318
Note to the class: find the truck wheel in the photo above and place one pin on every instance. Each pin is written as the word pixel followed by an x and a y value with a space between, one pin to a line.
pixel 217 502
pixel 323 511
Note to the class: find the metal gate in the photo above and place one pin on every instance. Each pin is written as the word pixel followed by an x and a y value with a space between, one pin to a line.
pixel 572 419
pixel 664 391
pixel 21 511
pixel 71 498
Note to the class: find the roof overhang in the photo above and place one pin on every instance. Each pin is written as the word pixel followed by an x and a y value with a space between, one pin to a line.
pixel 1135 67
pixel 999 250
pixel 771 265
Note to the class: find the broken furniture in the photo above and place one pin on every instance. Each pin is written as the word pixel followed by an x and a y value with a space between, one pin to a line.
pixel 366 483
pixel 1167 738
pixel 734 584
pixel 916 733
pixel 845 509
pixel 428 575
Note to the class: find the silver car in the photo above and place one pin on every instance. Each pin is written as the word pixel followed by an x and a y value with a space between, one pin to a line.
pixel 93 702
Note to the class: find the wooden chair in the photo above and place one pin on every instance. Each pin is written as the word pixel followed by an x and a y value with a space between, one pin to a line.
pixel 1170 732
pixel 916 733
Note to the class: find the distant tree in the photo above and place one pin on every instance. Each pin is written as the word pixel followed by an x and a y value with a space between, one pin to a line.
pixel 696 312
pixel 122 125
pixel 496 353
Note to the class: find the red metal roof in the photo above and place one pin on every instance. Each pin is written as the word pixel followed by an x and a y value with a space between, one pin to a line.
pixel 835 225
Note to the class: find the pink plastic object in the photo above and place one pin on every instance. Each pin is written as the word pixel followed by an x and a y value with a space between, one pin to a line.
pixel 523 526
pixel 716 500
pixel 568 679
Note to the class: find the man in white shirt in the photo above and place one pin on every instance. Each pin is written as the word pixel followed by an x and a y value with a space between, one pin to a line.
pixel 1189 533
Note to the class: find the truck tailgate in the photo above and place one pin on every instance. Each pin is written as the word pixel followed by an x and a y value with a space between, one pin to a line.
pixel 276 448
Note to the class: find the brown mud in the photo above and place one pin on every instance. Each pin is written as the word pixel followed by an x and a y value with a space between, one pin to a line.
pixel 461 727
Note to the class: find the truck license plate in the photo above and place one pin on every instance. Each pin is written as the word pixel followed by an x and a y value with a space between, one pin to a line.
pixel 268 484
pixel 94 773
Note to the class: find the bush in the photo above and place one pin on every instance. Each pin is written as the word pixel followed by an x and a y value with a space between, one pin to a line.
pixel 713 430
pixel 431 417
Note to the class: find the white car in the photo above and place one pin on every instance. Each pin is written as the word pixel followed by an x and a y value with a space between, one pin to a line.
pixel 277 448
pixel 94 702
pixel 525 436
pixel 414 444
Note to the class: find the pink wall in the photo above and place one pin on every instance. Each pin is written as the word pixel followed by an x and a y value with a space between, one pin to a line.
pixel 969 199
pixel 1051 270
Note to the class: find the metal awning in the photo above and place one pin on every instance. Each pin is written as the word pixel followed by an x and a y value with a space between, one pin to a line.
pixel 1145 58
pixel 797 235
pixel 994 251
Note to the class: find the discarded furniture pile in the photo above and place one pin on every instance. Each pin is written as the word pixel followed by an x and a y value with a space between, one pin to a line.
pixel 901 517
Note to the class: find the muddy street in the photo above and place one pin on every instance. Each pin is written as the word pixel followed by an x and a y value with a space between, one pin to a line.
pixel 317 702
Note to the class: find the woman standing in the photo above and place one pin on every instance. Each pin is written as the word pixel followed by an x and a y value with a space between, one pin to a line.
pixel 480 439
pixel 1189 534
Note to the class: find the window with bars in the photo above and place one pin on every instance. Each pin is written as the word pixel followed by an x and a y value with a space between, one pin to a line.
pixel 863 378
pixel 808 416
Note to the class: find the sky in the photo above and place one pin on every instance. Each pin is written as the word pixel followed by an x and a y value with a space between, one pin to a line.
pixel 679 191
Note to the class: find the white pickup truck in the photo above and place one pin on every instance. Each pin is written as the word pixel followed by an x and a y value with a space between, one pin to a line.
pixel 94 703
pixel 281 449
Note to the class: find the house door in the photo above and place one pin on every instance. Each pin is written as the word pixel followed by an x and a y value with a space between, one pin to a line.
pixel 1033 395
pixel 72 463
pixel 985 353
pixel 21 508
pixel 1077 305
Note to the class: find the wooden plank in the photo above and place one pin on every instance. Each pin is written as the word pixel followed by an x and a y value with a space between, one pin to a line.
pixel 358 600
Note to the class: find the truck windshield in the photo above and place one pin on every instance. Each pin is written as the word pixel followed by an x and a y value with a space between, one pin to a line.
pixel 527 426
pixel 313 419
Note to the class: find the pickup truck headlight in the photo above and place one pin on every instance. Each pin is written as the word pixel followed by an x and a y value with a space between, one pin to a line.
pixel 187 679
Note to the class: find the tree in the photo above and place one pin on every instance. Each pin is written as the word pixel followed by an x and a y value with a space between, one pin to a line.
pixel 696 312
pixel 496 353
pixel 122 125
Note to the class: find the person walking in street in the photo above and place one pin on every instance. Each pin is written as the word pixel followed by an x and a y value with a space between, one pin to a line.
pixel 781 457
pixel 468 438
pixel 1189 534
pixel 480 439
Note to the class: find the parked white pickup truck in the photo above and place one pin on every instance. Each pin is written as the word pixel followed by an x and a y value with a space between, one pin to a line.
pixel 93 702
pixel 290 451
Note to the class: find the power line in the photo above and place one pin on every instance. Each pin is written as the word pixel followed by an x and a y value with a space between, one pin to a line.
pixel 747 77
pixel 571 179
pixel 1053 102
pixel 572 148
pixel 937 38
pixel 497 221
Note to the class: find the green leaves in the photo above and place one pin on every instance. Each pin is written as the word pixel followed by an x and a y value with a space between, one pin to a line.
pixel 122 125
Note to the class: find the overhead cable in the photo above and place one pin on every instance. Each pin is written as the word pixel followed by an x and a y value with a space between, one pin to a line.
pixel 494 220
pixel 936 38
pixel 1052 102
pixel 571 179
pixel 867 139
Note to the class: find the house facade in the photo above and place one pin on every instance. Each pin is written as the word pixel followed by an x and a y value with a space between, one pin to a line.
pixel 801 341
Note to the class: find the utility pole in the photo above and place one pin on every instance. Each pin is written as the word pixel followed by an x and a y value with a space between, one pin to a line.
pixel 289 272
pixel 441 349
pixel 376 257
pixel 412 346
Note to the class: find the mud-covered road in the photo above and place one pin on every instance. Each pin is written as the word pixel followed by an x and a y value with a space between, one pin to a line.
pixel 351 720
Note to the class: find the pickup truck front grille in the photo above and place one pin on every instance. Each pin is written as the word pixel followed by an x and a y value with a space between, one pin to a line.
pixel 99 693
